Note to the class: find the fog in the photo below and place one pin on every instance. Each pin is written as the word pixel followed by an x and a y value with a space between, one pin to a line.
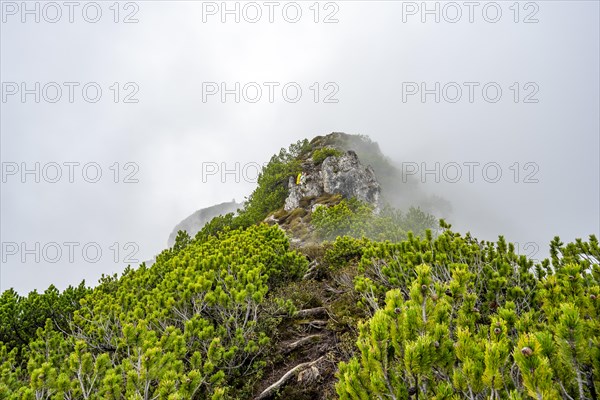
pixel 499 118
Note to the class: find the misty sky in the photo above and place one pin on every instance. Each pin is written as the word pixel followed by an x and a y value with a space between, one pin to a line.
pixel 542 131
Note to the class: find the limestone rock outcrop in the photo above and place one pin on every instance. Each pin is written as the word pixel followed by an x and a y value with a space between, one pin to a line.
pixel 343 175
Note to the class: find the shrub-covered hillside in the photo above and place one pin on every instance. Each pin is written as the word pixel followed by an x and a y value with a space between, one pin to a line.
pixel 331 300
pixel 462 319
pixel 194 325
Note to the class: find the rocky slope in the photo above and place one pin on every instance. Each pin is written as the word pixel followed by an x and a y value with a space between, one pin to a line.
pixel 198 219
pixel 343 175
pixel 349 174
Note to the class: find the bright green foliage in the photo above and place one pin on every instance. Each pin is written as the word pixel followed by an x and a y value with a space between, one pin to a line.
pixel 350 217
pixel 463 319
pixel 493 270
pixel 217 224
pixel 272 182
pixel 358 219
pixel 319 155
pixel 189 327
pixel 21 316
pixel 344 250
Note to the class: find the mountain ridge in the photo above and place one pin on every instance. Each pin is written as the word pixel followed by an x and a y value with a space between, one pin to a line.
pixel 334 298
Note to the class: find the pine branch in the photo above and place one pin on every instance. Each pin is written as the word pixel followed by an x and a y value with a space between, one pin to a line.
pixel 268 392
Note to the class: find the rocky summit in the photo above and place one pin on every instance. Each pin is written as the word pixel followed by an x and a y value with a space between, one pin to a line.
pixel 343 175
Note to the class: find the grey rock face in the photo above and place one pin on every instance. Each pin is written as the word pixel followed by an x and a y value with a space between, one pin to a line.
pixel 294 197
pixel 342 175
pixel 197 220
pixel 345 175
